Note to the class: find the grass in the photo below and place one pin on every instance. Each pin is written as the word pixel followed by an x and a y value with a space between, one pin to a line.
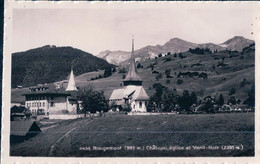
pixel 233 129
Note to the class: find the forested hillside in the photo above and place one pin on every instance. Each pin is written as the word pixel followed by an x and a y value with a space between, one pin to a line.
pixel 49 64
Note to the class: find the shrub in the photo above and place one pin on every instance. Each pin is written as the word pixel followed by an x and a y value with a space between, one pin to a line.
pixel 122 70
pixel 168 81
pixel 139 65
pixel 232 91
pixel 168 59
pixel 179 81
pixel 232 100
pixel 221 100
pixel 244 82
pixel 159 76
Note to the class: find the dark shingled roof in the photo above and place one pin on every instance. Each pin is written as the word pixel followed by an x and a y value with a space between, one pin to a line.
pixel 22 128
pixel 50 89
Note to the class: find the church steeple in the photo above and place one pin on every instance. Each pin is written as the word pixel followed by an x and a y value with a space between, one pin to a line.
pixel 71 84
pixel 132 77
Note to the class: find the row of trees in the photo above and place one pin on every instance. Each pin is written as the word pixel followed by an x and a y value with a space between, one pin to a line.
pixel 107 73
pixel 168 100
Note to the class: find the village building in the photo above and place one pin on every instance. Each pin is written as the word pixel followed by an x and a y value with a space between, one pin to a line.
pixel 132 93
pixel 53 99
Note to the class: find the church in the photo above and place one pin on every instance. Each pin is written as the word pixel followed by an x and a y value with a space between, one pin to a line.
pixel 132 92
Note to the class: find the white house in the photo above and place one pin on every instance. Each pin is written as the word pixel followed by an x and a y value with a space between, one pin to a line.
pixel 51 99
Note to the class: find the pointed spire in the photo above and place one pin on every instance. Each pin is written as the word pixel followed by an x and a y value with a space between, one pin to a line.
pixel 71 84
pixel 132 76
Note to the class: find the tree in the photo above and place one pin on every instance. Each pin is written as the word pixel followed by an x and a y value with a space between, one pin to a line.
pixel 208 104
pixel 168 59
pixel 127 107
pixel 232 100
pixel 220 101
pixel 114 69
pixel 168 72
pixel 169 100
pixel 179 81
pixel 184 101
pixel 232 91
pixel 152 66
pixel 107 72
pixel 93 101
pixel 193 98
pixel 122 70
pixel 159 76
pixel 155 102
pixel 139 65
pixel 244 82
pixel 213 67
pixel 250 101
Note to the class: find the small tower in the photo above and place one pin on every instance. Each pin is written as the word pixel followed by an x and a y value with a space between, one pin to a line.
pixel 132 77
pixel 71 84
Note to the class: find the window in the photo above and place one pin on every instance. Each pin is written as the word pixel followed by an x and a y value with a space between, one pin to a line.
pixel 134 106
pixel 43 104
pixel 52 103
pixel 140 104
pixel 40 104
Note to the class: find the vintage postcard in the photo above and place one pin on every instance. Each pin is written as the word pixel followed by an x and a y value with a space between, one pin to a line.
pixel 129 82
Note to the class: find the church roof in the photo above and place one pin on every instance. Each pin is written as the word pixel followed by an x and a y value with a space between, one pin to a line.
pixel 139 92
pixel 131 91
pixel 117 94
pixel 132 74
pixel 141 95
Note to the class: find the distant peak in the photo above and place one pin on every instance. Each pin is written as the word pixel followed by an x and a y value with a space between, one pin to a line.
pixel 235 39
pixel 49 46
pixel 176 39
pixel 238 37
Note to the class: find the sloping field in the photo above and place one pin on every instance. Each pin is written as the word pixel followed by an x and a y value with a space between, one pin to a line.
pixel 147 132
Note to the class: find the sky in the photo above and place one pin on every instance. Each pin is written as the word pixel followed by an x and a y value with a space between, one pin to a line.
pixel 111 28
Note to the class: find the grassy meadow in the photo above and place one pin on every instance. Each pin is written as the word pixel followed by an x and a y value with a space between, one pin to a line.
pixel 162 131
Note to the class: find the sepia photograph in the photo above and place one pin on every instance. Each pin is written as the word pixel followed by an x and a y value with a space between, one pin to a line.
pixel 132 80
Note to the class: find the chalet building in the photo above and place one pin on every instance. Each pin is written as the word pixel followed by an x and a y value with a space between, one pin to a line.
pixel 53 99
pixel 23 130
pixel 132 92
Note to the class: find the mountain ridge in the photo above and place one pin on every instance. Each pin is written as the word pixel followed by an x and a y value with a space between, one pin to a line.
pixel 174 45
